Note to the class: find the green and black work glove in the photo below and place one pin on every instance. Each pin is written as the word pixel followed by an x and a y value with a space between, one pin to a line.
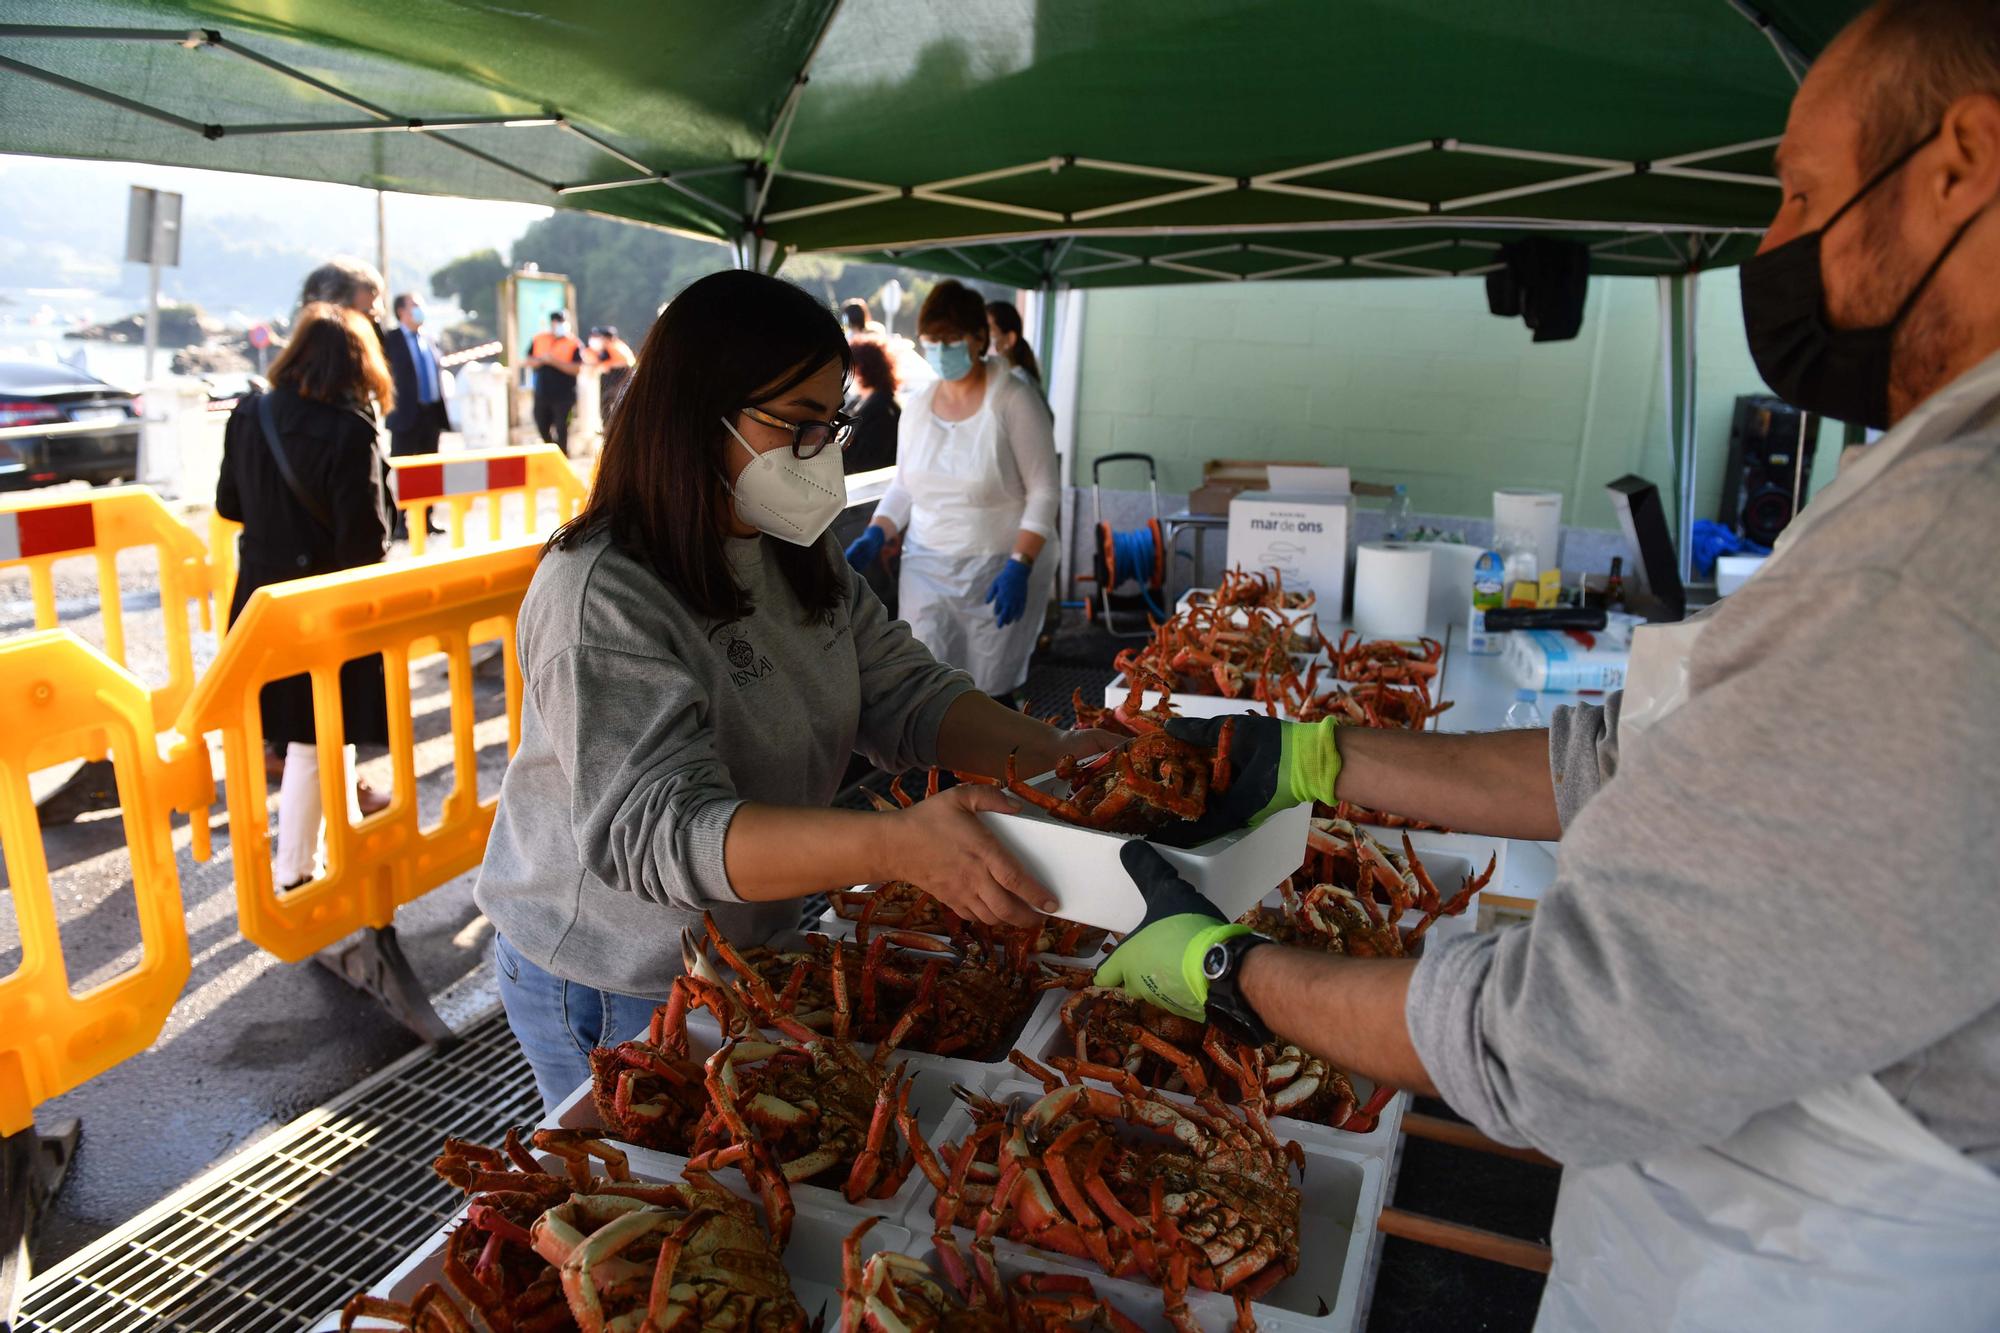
pixel 1160 962
pixel 1273 766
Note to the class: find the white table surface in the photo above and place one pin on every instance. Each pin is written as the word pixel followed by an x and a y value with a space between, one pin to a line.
pixel 1480 689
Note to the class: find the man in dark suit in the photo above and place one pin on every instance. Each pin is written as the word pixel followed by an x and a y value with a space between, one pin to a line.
pixel 419 416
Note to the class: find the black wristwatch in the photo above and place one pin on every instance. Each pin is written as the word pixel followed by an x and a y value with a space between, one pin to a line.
pixel 1227 1009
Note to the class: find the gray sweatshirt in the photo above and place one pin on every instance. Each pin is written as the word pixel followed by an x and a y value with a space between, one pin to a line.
pixel 643 729
pixel 1795 882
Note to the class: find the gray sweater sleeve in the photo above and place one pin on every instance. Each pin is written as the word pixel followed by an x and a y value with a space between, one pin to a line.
pixel 650 801
pixel 1583 752
pixel 905 692
pixel 1789 885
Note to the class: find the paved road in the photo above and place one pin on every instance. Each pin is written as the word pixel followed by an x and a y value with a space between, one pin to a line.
pixel 253 1042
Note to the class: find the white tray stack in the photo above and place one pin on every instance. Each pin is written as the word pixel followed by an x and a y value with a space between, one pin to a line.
pixel 1346 1182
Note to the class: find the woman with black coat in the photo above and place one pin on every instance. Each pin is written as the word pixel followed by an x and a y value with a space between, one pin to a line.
pixel 333 512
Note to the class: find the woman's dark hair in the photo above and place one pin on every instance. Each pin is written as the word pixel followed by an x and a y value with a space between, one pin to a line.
pixel 1008 320
pixel 731 340
pixel 953 307
pixel 335 356
pixel 872 367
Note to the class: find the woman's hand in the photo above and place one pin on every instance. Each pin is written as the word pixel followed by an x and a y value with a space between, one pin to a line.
pixel 940 846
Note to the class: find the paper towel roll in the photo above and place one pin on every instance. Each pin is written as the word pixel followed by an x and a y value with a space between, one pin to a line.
pixel 1539 514
pixel 1451 581
pixel 1392 589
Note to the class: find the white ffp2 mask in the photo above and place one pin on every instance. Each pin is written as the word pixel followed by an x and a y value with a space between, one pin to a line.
pixel 792 499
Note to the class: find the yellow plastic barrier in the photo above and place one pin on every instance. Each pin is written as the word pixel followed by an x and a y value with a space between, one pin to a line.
pixel 311 626
pixel 38 530
pixel 454 481
pixel 222 534
pixel 62 699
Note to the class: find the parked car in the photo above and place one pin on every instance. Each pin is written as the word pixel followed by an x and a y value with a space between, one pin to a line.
pixel 59 424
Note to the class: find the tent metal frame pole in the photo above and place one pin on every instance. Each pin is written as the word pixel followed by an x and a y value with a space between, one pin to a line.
pixel 1789 54
pixel 386 126
pixel 1678 295
pixel 96 94
pixel 781 125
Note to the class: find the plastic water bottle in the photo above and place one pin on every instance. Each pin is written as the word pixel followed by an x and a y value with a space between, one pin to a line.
pixel 1396 518
pixel 1524 714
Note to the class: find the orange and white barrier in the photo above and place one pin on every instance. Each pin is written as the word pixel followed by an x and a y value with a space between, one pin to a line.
pixel 453 482
pixel 36 530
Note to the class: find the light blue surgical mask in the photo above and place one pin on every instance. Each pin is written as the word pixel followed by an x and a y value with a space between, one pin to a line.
pixel 416 315
pixel 952 361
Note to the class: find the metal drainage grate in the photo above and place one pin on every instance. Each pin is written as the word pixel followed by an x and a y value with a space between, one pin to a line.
pixel 1050 688
pixel 291 1227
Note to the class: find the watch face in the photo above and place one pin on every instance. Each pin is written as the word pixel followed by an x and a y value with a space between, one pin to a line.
pixel 1215 962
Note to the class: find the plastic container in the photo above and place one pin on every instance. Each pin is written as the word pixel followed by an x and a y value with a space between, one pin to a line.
pixel 1396 516
pixel 1080 867
pixel 1524 714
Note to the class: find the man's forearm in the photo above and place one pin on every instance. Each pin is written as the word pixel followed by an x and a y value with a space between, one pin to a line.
pixel 1347 1011
pixel 1496 783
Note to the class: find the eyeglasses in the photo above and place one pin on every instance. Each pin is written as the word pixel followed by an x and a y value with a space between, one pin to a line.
pixel 809 438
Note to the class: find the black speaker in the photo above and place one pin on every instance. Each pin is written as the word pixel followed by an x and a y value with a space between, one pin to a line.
pixel 1770 458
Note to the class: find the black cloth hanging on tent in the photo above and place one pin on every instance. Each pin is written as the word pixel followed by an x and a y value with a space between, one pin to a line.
pixel 1543 282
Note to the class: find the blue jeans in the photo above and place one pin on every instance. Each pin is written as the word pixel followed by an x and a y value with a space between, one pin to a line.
pixel 557 1021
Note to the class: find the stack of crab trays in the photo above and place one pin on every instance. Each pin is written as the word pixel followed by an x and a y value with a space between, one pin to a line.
pixel 903 1117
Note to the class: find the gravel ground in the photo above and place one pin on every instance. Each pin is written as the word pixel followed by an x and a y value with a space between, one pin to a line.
pixel 252 1042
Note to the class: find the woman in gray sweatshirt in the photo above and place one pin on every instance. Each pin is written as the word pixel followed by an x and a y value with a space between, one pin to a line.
pixel 695 685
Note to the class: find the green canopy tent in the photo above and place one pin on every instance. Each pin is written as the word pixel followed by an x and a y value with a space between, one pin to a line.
pixel 1043 143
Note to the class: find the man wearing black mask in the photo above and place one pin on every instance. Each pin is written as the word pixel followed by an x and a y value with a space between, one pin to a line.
pixel 1757 1015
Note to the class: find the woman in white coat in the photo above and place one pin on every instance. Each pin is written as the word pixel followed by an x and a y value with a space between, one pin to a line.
pixel 974 501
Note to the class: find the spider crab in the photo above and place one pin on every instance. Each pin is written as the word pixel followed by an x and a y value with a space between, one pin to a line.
pixel 1146 784
pixel 1144 1186
pixel 895 1292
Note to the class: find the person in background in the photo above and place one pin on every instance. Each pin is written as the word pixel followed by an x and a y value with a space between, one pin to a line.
pixel 419 417
pixel 346 281
pixel 858 318
pixel 974 500
pixel 1767 1056
pixel 612 355
pixel 301 471
pixel 873 407
pixel 1004 323
pixel 700 668
pixel 557 359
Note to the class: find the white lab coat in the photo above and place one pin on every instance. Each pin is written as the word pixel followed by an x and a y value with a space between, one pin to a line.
pixel 963 490
pixel 1841 1210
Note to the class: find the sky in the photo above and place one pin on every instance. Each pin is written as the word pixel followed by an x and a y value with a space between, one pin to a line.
pixel 247 240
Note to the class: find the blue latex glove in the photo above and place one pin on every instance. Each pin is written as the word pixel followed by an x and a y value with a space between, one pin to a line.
pixel 1009 594
pixel 864 551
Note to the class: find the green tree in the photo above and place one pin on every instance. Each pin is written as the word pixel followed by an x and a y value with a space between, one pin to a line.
pixel 623 272
pixel 474 282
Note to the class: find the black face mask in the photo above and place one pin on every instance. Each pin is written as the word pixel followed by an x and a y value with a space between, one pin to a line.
pixel 1842 373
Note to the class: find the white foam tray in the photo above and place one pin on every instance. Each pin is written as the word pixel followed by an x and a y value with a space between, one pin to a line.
pixel 812 1260
pixel 1080 866
pixel 1342 1198
pixel 931 1080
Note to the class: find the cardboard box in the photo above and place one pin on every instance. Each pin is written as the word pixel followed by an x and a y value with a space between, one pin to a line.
pixel 1223 479
pixel 1303 527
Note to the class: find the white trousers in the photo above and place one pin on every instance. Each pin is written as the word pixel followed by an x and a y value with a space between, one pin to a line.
pixel 301 843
